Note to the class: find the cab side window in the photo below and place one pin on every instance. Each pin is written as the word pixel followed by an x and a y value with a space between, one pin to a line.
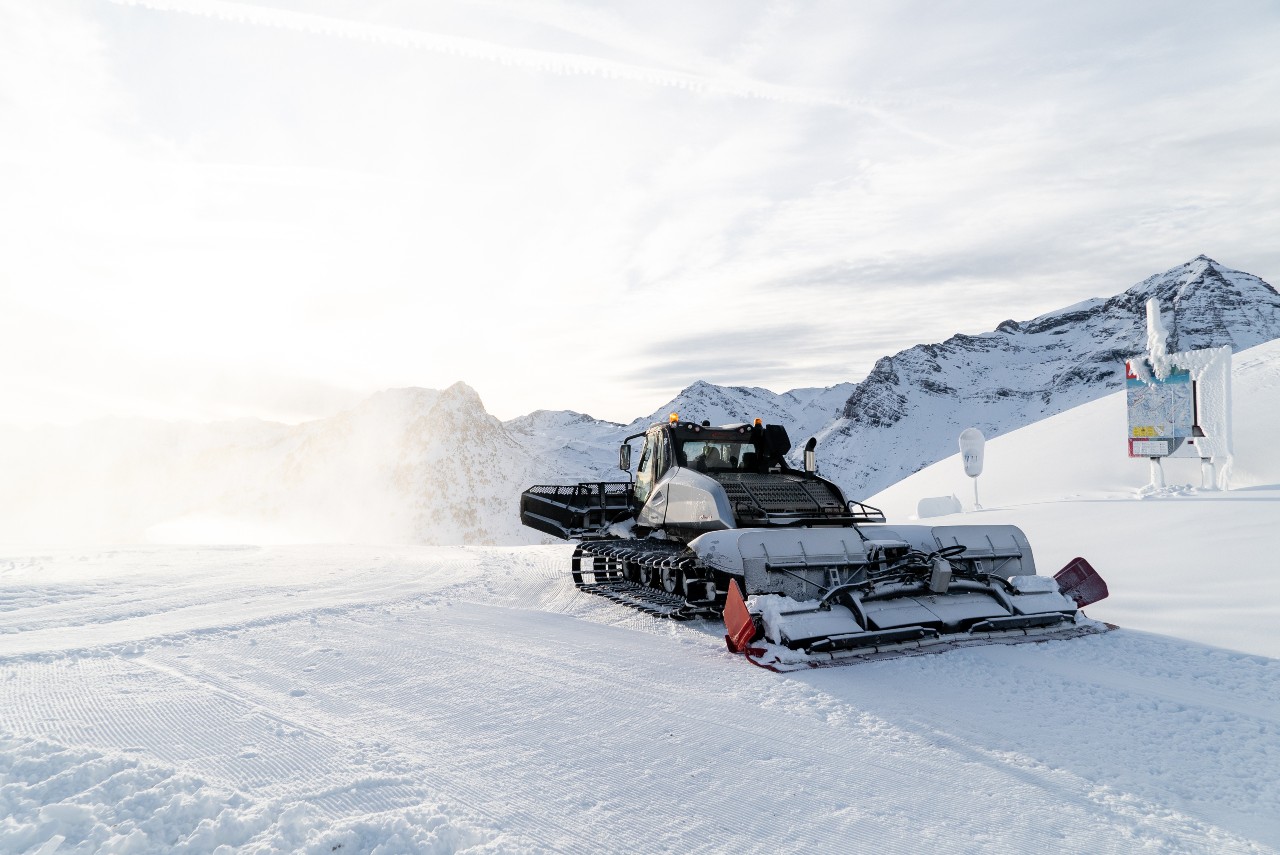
pixel 645 470
pixel 655 460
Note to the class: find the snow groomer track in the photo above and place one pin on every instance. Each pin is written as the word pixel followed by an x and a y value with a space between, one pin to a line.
pixel 323 699
pixel 632 573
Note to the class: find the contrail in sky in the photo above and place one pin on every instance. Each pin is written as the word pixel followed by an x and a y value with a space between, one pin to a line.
pixel 538 60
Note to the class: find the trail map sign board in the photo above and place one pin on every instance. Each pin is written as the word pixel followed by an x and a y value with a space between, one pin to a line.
pixel 1162 412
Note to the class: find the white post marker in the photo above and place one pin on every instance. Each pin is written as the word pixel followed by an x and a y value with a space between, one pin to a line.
pixel 971 448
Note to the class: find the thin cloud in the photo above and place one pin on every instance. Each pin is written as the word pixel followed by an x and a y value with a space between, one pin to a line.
pixel 552 62
pixel 390 204
pixel 778 357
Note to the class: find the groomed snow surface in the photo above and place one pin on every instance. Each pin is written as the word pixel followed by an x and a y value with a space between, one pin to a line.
pixel 427 699
pixel 447 699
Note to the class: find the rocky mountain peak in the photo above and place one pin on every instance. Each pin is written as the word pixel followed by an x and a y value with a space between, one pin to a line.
pixel 1205 304
pixel 463 395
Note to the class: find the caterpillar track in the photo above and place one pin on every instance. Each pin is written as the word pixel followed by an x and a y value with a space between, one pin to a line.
pixel 656 577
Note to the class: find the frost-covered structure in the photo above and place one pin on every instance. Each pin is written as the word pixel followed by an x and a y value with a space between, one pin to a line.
pixel 1180 405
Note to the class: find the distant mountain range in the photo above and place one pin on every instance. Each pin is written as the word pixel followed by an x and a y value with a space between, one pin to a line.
pixel 424 466
pixel 910 409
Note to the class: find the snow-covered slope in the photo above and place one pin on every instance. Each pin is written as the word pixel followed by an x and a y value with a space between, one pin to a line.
pixel 908 412
pixel 583 448
pixel 803 411
pixel 447 699
pixel 721 405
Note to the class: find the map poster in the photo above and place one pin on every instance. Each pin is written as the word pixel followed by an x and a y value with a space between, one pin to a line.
pixel 1161 412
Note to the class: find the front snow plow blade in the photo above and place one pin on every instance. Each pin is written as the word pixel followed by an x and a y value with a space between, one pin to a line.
pixel 856 648
pixel 819 598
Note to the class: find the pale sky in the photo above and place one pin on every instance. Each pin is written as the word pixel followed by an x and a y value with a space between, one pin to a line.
pixel 274 209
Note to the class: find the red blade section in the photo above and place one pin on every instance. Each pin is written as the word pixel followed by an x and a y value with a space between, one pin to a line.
pixel 1079 581
pixel 739 628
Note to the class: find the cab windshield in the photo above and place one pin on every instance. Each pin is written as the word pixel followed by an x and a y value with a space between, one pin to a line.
pixel 721 455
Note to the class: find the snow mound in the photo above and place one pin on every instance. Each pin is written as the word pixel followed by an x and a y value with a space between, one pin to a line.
pixel 66 799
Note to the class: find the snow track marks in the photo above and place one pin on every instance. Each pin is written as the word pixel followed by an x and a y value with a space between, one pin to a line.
pixel 308 697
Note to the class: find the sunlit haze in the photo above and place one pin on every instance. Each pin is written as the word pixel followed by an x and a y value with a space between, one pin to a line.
pixel 275 209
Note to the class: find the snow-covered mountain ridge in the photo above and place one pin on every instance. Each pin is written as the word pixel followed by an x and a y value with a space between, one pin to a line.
pixel 425 466
pixel 909 410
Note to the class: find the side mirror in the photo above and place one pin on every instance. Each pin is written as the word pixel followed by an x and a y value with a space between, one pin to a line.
pixel 810 457
pixel 624 457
